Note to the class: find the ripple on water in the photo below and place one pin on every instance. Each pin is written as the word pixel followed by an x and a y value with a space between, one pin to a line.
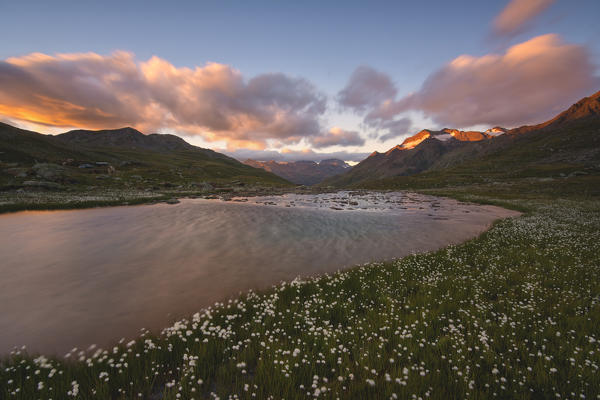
pixel 73 278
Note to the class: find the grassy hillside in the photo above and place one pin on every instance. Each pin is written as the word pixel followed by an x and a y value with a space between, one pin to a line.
pixel 514 313
pixel 568 156
pixel 182 166
pixel 568 142
pixel 113 167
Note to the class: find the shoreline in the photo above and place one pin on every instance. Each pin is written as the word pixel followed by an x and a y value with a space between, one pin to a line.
pixel 90 200
pixel 413 301
pixel 480 219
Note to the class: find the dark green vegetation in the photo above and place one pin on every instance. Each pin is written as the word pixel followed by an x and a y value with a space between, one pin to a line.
pixel 539 161
pixel 82 168
pixel 514 313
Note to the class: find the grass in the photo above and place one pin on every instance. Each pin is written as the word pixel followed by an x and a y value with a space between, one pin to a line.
pixel 514 313
pixel 124 175
pixel 27 201
pixel 562 154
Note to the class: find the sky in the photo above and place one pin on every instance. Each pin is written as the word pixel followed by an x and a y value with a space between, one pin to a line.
pixel 294 80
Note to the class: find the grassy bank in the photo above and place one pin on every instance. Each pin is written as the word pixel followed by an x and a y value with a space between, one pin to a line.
pixel 106 197
pixel 514 313
pixel 25 201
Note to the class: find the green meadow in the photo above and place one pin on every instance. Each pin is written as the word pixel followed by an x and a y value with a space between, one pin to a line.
pixel 514 313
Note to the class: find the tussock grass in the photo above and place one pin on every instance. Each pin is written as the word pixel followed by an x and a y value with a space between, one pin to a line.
pixel 514 313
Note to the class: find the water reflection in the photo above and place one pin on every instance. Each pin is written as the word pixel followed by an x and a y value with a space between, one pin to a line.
pixel 73 278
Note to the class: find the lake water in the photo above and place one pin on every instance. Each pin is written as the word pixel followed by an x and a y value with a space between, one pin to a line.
pixel 76 278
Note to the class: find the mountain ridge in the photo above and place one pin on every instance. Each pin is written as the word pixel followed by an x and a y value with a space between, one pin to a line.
pixel 126 137
pixel 433 150
pixel 111 157
pixel 303 172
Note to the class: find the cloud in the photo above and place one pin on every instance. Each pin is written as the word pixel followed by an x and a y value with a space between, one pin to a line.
pixel 293 155
pixel 7 121
pixel 394 127
pixel 337 137
pixel 531 82
pixel 366 88
pixel 517 14
pixel 214 101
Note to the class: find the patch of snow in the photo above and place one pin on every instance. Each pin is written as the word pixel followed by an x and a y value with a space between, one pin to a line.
pixel 495 131
pixel 443 137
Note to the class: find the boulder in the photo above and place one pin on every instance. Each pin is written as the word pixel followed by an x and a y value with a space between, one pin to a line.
pixel 47 171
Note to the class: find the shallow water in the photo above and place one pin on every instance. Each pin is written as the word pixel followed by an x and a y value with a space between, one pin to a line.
pixel 76 278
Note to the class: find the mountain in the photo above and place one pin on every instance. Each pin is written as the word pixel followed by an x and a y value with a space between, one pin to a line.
pixel 496 131
pixel 560 140
pixel 416 154
pixel 445 135
pixel 302 172
pixel 586 108
pixel 117 158
pixel 125 138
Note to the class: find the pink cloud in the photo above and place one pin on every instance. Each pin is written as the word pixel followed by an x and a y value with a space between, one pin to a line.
pixel 366 88
pixel 529 83
pixel 215 101
pixel 338 137
pixel 517 14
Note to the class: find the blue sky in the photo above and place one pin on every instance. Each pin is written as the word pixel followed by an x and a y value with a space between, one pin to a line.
pixel 320 42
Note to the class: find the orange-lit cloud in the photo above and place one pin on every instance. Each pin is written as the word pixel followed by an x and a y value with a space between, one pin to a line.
pixel 529 83
pixel 89 90
pixel 517 14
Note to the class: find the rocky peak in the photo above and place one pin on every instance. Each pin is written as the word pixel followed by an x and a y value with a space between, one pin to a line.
pixel 496 131
pixel 334 162
pixel 413 141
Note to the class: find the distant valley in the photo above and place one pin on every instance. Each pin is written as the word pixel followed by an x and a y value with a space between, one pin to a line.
pixel 302 172
pixel 124 165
